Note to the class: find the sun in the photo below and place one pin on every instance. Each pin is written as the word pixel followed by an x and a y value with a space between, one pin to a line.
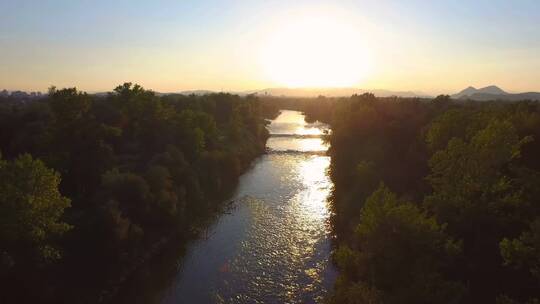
pixel 315 49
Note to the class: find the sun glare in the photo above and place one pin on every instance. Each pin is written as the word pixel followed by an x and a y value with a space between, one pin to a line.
pixel 317 49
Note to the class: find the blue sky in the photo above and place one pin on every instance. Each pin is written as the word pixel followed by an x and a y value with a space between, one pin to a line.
pixel 430 46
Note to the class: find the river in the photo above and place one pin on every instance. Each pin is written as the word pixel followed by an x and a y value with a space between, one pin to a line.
pixel 273 244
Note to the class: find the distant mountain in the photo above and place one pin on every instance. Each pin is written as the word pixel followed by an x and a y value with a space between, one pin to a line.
pixel 494 93
pixel 332 92
pixel 312 92
pixel 494 90
pixel 197 92
pixel 467 92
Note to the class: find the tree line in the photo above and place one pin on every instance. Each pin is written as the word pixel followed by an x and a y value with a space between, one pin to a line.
pixel 91 184
pixel 435 201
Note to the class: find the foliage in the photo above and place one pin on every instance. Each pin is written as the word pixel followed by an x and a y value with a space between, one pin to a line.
pixel 138 168
pixel 388 226
pixel 31 209
pixel 524 252
pixel 473 171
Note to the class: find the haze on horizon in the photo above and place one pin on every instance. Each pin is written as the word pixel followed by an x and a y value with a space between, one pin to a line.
pixel 169 46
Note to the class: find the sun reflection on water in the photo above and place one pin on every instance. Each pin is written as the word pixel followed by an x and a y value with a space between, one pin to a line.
pixel 314 129
pixel 285 144
pixel 292 122
pixel 284 257
pixel 313 202
pixel 275 246
pixel 292 134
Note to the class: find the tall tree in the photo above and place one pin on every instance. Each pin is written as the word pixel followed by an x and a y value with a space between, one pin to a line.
pixel 31 209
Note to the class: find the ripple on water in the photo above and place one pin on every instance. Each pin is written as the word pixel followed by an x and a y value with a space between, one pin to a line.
pixel 274 247
pixel 284 254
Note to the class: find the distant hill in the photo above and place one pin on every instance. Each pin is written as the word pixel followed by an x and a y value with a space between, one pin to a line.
pixel 494 93
pixel 313 92
pixel 197 92
pixel 332 92
pixel 487 90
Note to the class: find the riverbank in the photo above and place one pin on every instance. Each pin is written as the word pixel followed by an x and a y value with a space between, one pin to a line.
pixel 163 253
pixel 272 245
pixel 119 176
pixel 435 201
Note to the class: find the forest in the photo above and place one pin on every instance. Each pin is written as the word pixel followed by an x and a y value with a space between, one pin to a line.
pixel 93 185
pixel 435 201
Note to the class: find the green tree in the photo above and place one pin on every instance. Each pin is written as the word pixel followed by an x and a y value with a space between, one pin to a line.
pixel 69 105
pixel 524 252
pixel 399 256
pixel 130 190
pixel 77 145
pixel 471 180
pixel 165 202
pixel 452 123
pixel 476 192
pixel 31 209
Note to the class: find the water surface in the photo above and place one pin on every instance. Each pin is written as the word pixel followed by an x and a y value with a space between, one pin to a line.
pixel 273 245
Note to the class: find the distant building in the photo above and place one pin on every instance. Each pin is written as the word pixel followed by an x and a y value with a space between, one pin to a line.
pixel 19 94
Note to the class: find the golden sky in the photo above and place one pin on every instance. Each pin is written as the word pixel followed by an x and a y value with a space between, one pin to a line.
pixel 170 46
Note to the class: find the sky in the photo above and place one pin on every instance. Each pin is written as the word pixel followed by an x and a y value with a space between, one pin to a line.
pixel 169 46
